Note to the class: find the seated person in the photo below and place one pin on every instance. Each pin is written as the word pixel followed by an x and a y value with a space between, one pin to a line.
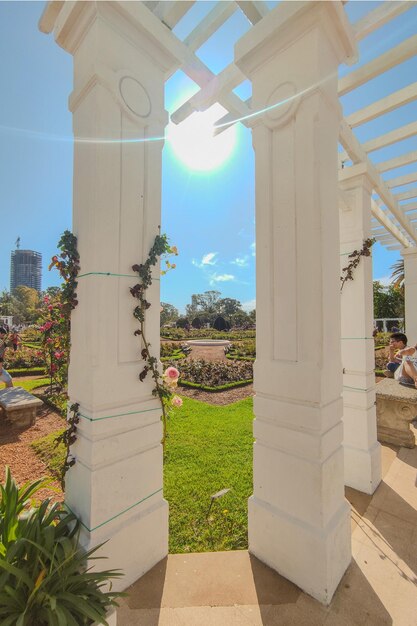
pixel 397 342
pixel 4 376
pixel 407 373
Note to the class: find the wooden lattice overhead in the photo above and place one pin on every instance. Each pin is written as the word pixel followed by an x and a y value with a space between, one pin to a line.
pixel 393 213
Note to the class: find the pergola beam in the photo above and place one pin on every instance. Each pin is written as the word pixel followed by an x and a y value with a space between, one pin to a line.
pixel 405 50
pixel 392 164
pixel 205 29
pixel 398 134
pixel 171 11
pixel 224 82
pixel 254 10
pixel 357 153
pixel 402 180
pixel 379 17
pixel 411 206
pixel 383 219
pixel 385 105
pixel 406 195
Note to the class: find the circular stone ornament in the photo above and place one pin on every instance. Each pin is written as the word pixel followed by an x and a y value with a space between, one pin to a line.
pixel 135 96
pixel 283 102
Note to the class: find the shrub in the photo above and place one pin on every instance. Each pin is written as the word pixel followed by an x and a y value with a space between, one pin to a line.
pixel 215 373
pixel 382 339
pixel 24 358
pixel 242 349
pixel 169 349
pixel 31 335
pixel 206 333
pixel 44 578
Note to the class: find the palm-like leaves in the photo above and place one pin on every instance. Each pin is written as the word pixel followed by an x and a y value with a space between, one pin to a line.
pixel 398 275
pixel 44 580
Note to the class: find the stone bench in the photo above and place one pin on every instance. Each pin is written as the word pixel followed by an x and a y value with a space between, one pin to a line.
pixel 19 406
pixel 396 408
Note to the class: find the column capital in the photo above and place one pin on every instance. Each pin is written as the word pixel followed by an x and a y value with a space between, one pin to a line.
pixel 409 252
pixel 70 22
pixel 290 21
pixel 356 176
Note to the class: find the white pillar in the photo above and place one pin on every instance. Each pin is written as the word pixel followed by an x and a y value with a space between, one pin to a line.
pixel 122 54
pixel 361 449
pixel 298 517
pixel 410 274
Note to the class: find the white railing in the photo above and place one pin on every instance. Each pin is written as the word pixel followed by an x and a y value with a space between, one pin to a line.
pixel 382 323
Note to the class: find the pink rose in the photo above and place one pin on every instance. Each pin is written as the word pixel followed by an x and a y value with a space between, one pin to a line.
pixel 176 401
pixel 171 374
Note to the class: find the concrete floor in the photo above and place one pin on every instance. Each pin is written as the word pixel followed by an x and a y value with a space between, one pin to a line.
pixel 235 589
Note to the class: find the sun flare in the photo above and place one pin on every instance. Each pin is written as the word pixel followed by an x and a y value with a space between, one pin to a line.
pixel 194 143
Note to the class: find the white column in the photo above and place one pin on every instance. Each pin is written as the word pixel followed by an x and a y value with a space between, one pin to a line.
pixel 298 516
pixel 361 449
pixel 122 55
pixel 410 273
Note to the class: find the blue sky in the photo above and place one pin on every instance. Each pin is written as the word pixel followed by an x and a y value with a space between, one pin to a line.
pixel 208 215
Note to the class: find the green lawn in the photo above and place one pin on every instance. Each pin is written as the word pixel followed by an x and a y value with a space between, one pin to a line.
pixel 209 448
pixel 30 385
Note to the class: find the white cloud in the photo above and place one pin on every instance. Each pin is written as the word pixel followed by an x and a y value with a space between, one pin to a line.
pixel 241 261
pixel 208 259
pixel 385 280
pixel 249 305
pixel 221 278
pixel 253 248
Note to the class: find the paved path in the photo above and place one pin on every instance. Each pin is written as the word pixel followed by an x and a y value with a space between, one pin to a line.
pixel 209 353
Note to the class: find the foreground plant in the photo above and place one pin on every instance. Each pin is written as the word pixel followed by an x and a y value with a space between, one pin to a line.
pixel 44 577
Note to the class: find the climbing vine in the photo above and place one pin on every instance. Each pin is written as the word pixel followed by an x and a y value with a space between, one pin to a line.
pixel 56 316
pixel 57 332
pixel 166 383
pixel 68 437
pixel 355 257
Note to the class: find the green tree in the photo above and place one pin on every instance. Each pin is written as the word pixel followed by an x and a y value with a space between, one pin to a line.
pixel 7 304
pixel 206 303
pixel 169 313
pixel 229 306
pixel 388 301
pixel 398 274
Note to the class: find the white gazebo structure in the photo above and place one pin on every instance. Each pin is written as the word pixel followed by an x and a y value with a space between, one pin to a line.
pixel 315 424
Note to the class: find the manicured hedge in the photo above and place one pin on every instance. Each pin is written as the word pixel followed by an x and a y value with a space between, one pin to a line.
pixel 239 383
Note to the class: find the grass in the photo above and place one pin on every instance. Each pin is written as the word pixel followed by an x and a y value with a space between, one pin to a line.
pixel 51 453
pixel 209 448
pixel 30 385
pixel 28 371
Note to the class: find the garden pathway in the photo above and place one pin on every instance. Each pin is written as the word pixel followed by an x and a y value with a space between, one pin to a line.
pixel 17 453
pixel 209 353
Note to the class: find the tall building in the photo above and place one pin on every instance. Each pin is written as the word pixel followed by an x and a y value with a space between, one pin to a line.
pixel 26 269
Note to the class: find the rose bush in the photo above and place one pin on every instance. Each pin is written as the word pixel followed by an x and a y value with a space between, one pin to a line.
pixel 215 373
pixel 24 358
pixel 206 333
